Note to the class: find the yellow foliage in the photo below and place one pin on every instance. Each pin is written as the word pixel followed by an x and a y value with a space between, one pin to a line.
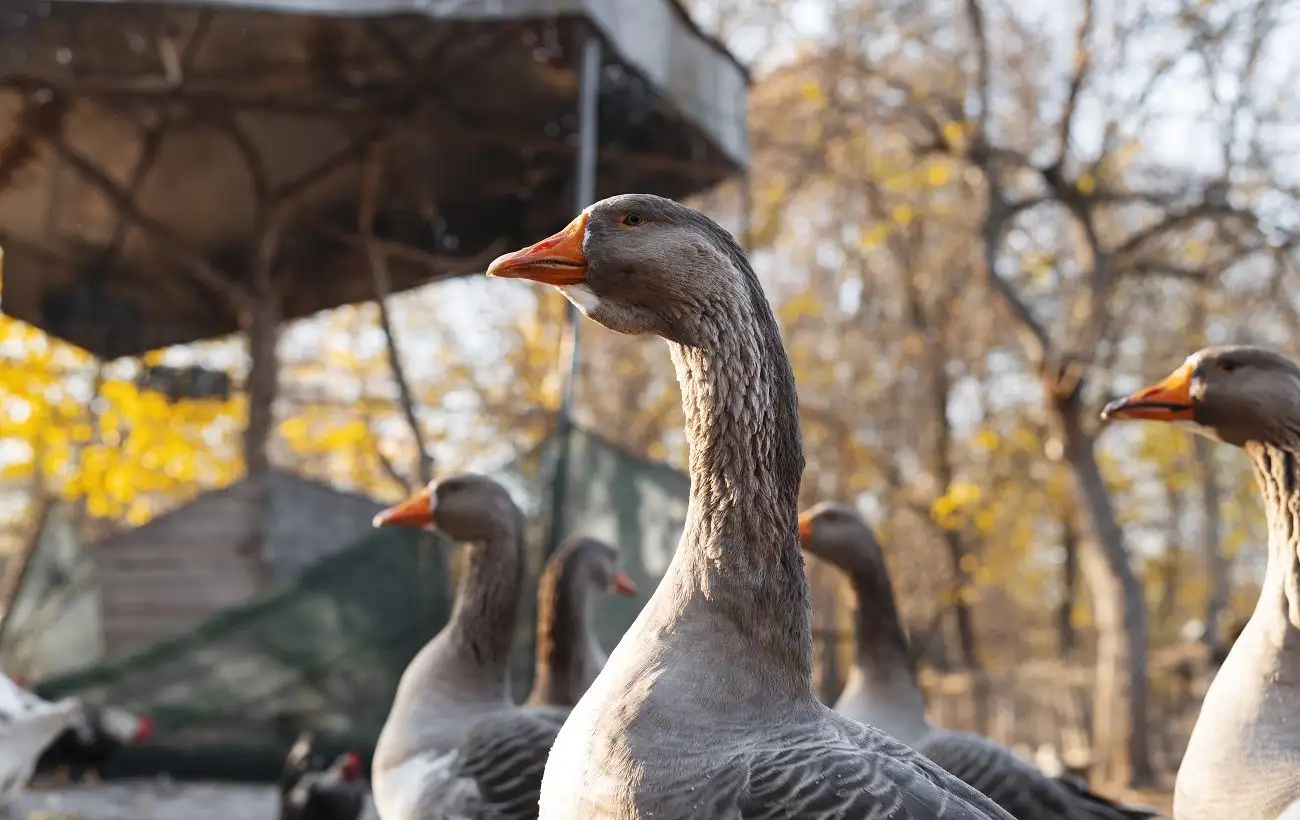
pixel 812 92
pixel 939 174
pixel 1087 184
pixel 874 236
pixel 126 455
pixel 903 214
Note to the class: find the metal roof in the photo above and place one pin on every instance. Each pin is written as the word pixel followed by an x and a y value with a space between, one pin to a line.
pixel 473 104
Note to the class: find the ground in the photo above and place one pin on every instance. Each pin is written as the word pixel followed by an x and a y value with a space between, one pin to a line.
pixel 152 800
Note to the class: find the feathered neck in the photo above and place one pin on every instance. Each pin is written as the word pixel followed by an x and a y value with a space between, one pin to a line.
pixel 565 637
pixel 740 555
pixel 482 626
pixel 1277 472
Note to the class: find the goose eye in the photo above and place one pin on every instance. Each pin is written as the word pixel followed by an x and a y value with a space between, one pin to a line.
pixel 1226 367
pixel 632 219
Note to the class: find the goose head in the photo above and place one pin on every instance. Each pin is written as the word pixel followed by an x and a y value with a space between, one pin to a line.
pixel 837 534
pixel 465 507
pixel 1235 394
pixel 637 264
pixel 592 564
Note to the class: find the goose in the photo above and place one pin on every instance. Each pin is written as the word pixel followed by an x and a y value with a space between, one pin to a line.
pixel 1243 757
pixel 882 688
pixel 454 745
pixel 706 707
pixel 568 654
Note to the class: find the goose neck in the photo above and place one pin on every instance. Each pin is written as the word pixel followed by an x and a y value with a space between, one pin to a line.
pixel 1277 472
pixel 880 648
pixel 740 556
pixel 482 621
pixel 564 641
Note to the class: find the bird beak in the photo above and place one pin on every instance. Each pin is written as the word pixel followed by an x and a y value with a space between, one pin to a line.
pixel 623 585
pixel 416 511
pixel 1168 400
pixel 557 260
pixel 805 528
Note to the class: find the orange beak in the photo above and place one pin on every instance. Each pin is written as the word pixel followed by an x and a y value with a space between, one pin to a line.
pixel 1168 400
pixel 623 585
pixel 416 511
pixel 805 528
pixel 556 260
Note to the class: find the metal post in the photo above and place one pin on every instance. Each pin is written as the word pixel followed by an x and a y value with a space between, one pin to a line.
pixel 584 195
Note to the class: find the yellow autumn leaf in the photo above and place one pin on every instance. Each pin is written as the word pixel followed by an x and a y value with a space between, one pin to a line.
pixel 903 214
pixel 1087 184
pixel 874 236
pixel 938 174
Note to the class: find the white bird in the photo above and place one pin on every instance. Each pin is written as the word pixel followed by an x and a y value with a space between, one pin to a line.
pixel 27 725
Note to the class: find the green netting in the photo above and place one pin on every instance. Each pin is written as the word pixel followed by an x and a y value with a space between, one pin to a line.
pixel 326 650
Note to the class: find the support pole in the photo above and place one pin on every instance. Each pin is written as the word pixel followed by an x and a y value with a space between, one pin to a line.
pixel 584 195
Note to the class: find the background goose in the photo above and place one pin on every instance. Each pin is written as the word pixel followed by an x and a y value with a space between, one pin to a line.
pixel 1243 758
pixel 706 707
pixel 882 688
pixel 569 655
pixel 454 745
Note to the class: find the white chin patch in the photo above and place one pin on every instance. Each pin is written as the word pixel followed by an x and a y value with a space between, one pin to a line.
pixel 581 296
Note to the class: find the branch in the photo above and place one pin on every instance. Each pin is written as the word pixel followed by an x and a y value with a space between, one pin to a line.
pixel 1082 65
pixel 370 184
pixel 193 262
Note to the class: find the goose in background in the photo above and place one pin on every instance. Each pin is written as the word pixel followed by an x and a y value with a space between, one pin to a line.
pixel 569 655
pixel 706 707
pixel 882 689
pixel 1243 757
pixel 454 744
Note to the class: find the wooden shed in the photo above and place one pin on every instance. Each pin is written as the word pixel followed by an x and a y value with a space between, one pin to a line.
pixel 181 568
pixel 201 558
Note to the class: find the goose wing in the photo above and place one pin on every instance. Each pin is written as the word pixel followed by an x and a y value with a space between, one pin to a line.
pixel 850 770
pixel 505 756
pixel 1015 785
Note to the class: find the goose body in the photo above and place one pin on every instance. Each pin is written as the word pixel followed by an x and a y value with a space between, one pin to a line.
pixel 1243 757
pixel 705 709
pixel 882 690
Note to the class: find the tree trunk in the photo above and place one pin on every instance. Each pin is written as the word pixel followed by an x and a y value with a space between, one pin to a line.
pixel 1171 570
pixel 1120 737
pixel 262 326
pixel 1067 635
pixel 1216 564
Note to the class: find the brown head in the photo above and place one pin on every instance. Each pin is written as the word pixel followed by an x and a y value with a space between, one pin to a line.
pixel 639 263
pixel 1236 394
pixel 465 507
pixel 839 535
pixel 836 533
pixel 589 563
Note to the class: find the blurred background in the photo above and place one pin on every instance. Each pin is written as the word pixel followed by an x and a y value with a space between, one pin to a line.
pixel 243 310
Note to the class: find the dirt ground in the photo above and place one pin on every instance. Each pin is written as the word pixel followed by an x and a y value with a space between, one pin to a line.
pixel 152 800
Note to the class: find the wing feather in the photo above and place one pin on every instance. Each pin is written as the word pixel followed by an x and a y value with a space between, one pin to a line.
pixel 505 756
pixel 1015 785
pixel 854 771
